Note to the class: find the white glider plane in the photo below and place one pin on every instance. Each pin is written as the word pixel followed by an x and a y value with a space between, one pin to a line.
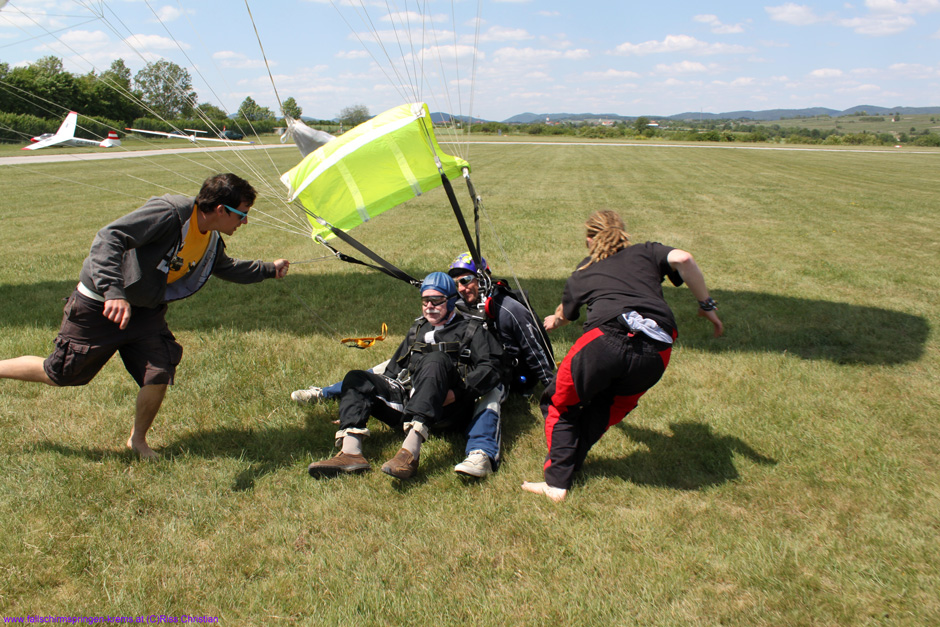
pixel 65 136
pixel 192 138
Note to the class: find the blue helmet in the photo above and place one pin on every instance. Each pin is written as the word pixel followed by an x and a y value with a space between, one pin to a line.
pixel 464 263
pixel 442 283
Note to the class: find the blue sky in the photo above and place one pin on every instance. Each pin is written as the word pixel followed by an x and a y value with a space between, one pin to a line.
pixel 494 59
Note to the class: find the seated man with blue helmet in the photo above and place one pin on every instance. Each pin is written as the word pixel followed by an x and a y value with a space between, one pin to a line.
pixel 445 363
pixel 527 357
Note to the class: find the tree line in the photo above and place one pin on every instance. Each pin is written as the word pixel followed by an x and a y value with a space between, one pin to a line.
pixel 710 131
pixel 156 98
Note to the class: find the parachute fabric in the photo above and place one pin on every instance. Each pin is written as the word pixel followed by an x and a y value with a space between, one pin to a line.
pixel 376 166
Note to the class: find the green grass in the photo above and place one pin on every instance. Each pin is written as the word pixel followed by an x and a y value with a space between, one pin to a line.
pixel 782 475
pixel 858 124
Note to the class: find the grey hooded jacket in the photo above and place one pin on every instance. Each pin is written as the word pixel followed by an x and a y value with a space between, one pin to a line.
pixel 130 257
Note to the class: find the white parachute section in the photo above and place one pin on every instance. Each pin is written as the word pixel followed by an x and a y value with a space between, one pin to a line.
pixel 306 138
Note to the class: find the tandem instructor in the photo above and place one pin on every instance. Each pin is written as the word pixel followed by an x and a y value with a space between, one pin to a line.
pixel 164 251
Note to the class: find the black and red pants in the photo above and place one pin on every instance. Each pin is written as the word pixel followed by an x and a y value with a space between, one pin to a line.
pixel 599 382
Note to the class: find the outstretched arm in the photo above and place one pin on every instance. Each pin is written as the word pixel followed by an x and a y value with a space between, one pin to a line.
pixel 555 320
pixel 685 264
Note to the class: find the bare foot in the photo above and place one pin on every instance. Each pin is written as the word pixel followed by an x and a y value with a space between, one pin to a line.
pixel 555 494
pixel 142 449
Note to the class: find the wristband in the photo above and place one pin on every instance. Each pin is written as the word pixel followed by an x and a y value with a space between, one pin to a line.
pixel 707 304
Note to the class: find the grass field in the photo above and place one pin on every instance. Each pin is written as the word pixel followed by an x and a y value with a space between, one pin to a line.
pixel 785 474
pixel 857 124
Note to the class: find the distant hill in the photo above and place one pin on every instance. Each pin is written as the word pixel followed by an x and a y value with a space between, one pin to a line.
pixel 763 116
pixel 768 115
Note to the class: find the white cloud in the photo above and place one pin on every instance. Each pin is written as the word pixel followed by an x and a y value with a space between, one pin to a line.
pixel 611 74
pixel 826 73
pixel 679 43
pixel 409 19
pixel 352 54
pixel 548 13
pixel 238 61
pixel 397 35
pixel 499 33
pixel 717 26
pixel 897 7
pixel 915 71
pixel 537 55
pixel 859 89
pixel 683 67
pixel 153 42
pixel 168 13
pixel 84 39
pixel 878 25
pixel 791 13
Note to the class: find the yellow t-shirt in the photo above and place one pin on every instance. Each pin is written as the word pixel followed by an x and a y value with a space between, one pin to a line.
pixel 194 247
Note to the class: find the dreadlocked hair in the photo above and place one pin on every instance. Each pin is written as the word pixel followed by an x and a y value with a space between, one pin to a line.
pixel 608 235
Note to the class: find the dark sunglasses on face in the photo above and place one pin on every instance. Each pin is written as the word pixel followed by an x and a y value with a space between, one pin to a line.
pixel 466 279
pixel 434 301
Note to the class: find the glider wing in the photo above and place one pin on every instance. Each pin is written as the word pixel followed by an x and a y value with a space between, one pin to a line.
pixel 192 138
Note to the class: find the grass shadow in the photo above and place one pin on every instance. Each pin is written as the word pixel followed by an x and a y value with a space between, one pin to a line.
pixel 321 305
pixel 693 457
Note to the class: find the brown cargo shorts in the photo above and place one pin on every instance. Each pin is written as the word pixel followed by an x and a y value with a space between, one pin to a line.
pixel 87 340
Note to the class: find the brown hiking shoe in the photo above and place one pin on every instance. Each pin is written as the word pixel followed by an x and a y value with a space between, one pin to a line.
pixel 337 464
pixel 403 466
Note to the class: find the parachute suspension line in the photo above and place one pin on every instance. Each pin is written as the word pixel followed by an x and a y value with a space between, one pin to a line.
pixel 412 71
pixel 45 172
pixel 473 75
pixel 453 17
pixel 264 56
pixel 79 157
pixel 259 176
pixel 130 96
pixel 293 292
pixel 396 85
pixel 383 265
pixel 452 197
pixel 473 248
pixel 505 257
pixel 477 206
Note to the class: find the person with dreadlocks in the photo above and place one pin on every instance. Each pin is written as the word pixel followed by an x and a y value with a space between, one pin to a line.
pixel 625 347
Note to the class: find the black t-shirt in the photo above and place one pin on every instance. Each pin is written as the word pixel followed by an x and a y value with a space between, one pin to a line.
pixel 630 280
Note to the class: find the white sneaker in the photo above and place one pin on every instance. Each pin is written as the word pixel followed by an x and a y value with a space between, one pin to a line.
pixel 477 464
pixel 308 396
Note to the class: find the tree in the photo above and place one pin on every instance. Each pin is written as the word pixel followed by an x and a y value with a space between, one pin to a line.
pixel 291 109
pixel 112 95
pixel 167 89
pixel 211 111
pixel 354 115
pixel 641 124
pixel 253 112
pixel 48 66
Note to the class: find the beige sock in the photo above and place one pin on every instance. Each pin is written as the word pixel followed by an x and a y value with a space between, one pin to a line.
pixel 352 444
pixel 412 443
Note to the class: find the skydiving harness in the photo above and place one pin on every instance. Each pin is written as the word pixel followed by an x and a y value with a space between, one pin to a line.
pixel 458 350
pixel 491 309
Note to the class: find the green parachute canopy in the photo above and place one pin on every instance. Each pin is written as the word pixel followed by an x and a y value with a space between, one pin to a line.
pixel 376 166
